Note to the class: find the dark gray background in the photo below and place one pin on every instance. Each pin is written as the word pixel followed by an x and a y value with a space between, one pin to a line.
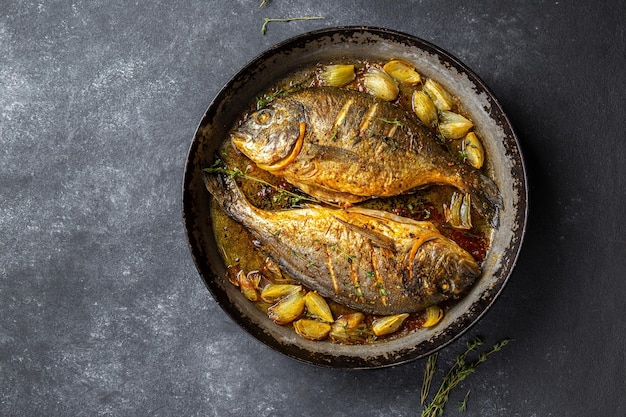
pixel 102 310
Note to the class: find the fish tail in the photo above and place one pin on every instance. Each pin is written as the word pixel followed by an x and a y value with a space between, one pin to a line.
pixel 486 198
pixel 225 191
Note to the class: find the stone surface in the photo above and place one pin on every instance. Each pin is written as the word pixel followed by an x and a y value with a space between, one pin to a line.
pixel 103 312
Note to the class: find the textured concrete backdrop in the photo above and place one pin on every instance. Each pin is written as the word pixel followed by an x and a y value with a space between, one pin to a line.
pixel 102 310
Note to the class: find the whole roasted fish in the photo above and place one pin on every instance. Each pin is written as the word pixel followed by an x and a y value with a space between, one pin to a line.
pixel 344 146
pixel 369 260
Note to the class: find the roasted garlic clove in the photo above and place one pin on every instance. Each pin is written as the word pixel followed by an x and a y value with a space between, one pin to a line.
pixel 349 329
pixel 337 75
pixel 288 308
pixel 388 324
pixel 453 125
pixel 424 108
pixel 434 314
pixel 473 150
pixel 380 84
pixel 403 72
pixel 274 292
pixel 458 214
pixel 317 307
pixel 442 99
pixel 312 329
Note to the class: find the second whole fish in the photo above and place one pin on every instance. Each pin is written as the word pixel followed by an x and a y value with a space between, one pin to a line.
pixel 371 261
pixel 344 146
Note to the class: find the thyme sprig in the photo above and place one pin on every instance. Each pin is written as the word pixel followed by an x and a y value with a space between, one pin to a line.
pixel 460 370
pixel 429 373
pixel 267 98
pixel 392 122
pixel 267 20
pixel 219 168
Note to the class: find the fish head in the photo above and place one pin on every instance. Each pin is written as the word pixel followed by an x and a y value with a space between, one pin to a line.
pixel 269 134
pixel 442 270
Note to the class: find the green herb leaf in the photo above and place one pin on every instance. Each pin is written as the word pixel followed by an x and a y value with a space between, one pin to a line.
pixel 392 122
pixel 463 405
pixel 429 373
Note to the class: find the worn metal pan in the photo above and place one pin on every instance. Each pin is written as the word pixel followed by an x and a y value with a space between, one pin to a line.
pixel 505 166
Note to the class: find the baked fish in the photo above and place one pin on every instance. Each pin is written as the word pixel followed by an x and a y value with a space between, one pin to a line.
pixel 344 146
pixel 369 260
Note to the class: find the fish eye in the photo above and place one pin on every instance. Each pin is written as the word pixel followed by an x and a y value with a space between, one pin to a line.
pixel 263 117
pixel 447 286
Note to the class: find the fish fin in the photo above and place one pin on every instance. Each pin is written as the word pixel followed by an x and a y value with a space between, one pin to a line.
pixel 328 196
pixel 377 239
pixel 486 198
pixel 385 215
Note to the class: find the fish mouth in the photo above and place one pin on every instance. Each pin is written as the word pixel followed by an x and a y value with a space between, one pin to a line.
pixel 244 143
pixel 239 140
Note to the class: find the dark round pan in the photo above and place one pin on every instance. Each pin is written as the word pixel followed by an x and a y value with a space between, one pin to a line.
pixel 505 166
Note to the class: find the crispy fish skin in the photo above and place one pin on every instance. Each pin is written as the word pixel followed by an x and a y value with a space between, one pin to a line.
pixel 355 147
pixel 371 261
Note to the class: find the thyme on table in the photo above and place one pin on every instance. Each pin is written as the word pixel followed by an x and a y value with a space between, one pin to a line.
pixel 267 20
pixel 460 370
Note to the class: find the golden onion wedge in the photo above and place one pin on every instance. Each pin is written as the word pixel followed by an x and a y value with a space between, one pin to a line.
pixel 337 75
pixel 442 99
pixel 388 324
pixel 458 214
pixel 317 307
pixel 380 84
pixel 453 125
pixel 249 284
pixel 232 274
pixel 312 329
pixel 403 72
pixel 434 314
pixel 274 292
pixel 288 308
pixel 474 151
pixel 424 108
pixel 272 270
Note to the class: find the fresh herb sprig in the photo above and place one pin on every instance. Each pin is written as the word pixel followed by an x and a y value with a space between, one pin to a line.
pixel 267 98
pixel 429 373
pixel 267 20
pixel 219 168
pixel 460 370
pixel 392 122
